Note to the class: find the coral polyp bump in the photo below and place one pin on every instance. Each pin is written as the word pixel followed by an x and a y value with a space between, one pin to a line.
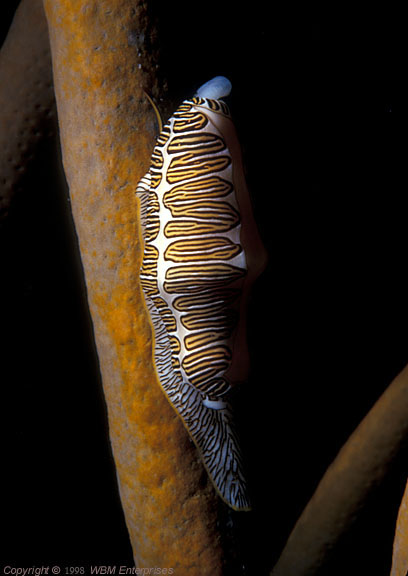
pixel 195 276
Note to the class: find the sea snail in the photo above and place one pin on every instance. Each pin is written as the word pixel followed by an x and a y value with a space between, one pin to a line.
pixel 202 252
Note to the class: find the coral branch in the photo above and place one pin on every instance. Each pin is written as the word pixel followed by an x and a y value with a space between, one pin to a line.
pixel 104 61
pixel 359 467
pixel 400 549
pixel 27 106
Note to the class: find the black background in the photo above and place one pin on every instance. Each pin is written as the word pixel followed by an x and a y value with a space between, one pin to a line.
pixel 319 103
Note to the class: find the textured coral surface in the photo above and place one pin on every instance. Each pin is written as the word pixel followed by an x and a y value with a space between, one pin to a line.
pixel 101 67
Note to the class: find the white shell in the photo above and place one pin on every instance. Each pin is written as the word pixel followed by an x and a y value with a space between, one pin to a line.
pixel 216 88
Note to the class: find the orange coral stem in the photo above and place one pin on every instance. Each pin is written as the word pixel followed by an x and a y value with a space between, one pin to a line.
pixel 101 70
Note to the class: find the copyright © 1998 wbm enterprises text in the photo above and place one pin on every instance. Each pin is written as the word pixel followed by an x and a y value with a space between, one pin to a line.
pixel 89 571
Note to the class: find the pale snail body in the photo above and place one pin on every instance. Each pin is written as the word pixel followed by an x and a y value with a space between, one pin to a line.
pixel 194 276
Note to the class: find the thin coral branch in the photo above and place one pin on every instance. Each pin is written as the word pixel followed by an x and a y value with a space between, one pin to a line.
pixel 400 549
pixel 27 105
pixel 360 466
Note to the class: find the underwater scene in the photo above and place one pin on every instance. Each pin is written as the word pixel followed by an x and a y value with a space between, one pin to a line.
pixel 204 285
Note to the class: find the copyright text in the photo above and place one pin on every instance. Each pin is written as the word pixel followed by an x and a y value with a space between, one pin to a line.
pixel 89 571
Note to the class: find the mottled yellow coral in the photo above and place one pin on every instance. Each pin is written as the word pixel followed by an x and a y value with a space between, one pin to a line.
pixel 107 135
